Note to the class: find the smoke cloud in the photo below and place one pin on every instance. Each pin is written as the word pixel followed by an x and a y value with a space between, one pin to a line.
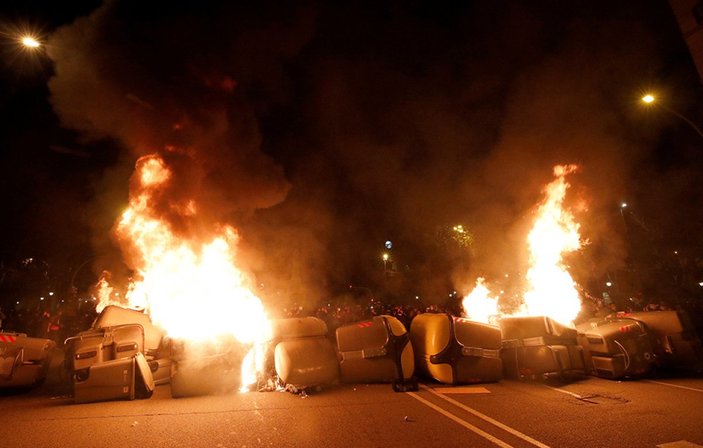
pixel 321 131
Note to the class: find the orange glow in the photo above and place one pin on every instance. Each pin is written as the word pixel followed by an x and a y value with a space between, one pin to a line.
pixel 30 42
pixel 479 306
pixel 152 170
pixel 550 290
pixel 190 288
pixel 105 293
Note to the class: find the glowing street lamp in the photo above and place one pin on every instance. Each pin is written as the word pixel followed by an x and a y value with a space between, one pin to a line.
pixel 30 42
pixel 650 99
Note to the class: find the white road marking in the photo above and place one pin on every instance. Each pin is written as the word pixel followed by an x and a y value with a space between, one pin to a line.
pixel 679 444
pixel 673 385
pixel 565 392
pixel 493 421
pixel 463 423
pixel 462 390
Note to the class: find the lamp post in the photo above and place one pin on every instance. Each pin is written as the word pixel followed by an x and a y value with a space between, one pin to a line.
pixel 650 99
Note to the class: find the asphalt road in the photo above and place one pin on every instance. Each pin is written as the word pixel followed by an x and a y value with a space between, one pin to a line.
pixel 591 412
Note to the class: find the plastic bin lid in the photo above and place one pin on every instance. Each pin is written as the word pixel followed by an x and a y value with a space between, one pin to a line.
pixel 144 371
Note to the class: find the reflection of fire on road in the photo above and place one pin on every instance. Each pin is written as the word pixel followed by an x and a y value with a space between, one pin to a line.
pixel 189 285
pixel 550 289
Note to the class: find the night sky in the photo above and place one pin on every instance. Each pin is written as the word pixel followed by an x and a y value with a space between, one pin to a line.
pixel 322 129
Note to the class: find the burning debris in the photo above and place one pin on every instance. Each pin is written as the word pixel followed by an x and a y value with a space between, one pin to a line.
pixel 186 277
pixel 550 290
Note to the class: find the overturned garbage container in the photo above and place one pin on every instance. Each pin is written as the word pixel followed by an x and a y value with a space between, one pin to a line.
pixel 206 368
pixel 453 350
pixel 539 346
pixel 108 364
pixel 303 355
pixel 156 348
pixel 377 351
pixel 616 347
pixel 674 339
pixel 24 361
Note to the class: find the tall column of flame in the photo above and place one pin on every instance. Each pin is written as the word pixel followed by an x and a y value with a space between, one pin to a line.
pixel 550 291
pixel 192 289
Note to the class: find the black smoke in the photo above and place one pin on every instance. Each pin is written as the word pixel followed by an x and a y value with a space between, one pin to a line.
pixel 322 129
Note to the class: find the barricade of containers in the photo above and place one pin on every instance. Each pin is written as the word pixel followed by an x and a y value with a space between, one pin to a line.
pixel 537 345
pixel 123 355
pixel 377 351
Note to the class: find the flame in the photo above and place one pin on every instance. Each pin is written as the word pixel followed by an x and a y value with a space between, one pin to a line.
pixel 550 289
pixel 105 293
pixel 190 288
pixel 552 292
pixel 479 305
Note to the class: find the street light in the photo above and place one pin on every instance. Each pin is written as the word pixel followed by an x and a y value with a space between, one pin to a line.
pixel 30 42
pixel 650 99
pixel 25 38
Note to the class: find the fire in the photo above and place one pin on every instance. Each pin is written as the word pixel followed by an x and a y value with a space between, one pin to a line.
pixel 190 288
pixel 479 305
pixel 550 289
pixel 105 294
pixel 552 292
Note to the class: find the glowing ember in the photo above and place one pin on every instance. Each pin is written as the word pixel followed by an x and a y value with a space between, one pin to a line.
pixel 190 288
pixel 552 291
pixel 479 306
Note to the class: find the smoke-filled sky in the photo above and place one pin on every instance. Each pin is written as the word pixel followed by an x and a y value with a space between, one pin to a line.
pixel 322 129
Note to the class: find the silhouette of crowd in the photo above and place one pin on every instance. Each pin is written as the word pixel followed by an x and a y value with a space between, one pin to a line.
pixel 59 322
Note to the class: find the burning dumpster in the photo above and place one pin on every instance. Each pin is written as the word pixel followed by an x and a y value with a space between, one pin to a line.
pixel 108 364
pixel 674 339
pixel 453 350
pixel 24 361
pixel 117 358
pixel 537 345
pixel 376 351
pixel 303 355
pixel 156 348
pixel 616 347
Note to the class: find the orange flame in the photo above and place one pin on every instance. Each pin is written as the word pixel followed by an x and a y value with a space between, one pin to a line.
pixel 192 289
pixel 479 305
pixel 106 294
pixel 550 291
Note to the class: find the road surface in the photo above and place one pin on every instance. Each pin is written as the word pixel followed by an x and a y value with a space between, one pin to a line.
pixel 590 412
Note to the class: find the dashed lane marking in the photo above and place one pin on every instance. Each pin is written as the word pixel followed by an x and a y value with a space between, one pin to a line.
pixel 674 385
pixel 679 444
pixel 463 423
pixel 490 420
pixel 461 390
pixel 565 392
